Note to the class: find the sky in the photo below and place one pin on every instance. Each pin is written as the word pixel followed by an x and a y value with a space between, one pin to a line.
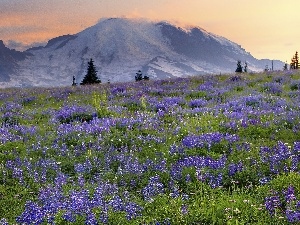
pixel 265 28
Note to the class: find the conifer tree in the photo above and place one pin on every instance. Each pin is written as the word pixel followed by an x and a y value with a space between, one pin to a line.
pixel 295 62
pixel 74 81
pixel 138 76
pixel 266 68
pixel 239 68
pixel 91 76
pixel 246 68
pixel 285 67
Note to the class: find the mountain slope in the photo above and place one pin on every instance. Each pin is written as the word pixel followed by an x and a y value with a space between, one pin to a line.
pixel 121 47
pixel 9 60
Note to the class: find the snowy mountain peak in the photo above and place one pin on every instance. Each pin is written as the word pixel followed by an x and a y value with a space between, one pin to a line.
pixel 120 47
pixel 60 41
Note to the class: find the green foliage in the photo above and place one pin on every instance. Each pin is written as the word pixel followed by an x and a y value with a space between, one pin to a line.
pixel 280 183
pixel 132 106
pixel 197 94
pixel 100 103
pixel 14 196
pixel 295 86
pixel 124 141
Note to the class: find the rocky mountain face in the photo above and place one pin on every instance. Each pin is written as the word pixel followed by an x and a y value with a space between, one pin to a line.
pixel 9 61
pixel 121 47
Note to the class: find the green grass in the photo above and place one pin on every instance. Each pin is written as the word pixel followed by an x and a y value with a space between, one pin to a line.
pixel 126 138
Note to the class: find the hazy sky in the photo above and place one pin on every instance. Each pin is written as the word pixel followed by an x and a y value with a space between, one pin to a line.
pixel 265 28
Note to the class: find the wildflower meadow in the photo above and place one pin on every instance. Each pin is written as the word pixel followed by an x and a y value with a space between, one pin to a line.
pixel 213 149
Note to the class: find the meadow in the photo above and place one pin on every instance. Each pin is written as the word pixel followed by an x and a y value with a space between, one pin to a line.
pixel 215 149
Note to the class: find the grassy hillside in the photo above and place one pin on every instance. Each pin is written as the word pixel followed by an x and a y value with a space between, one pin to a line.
pixel 199 150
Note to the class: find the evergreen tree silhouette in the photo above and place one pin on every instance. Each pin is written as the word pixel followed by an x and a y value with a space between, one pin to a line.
pixel 91 75
pixel 266 68
pixel 295 62
pixel 285 67
pixel 239 68
pixel 74 81
pixel 139 76
pixel 246 67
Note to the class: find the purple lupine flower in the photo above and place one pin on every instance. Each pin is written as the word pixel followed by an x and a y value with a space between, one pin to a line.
pixel 171 101
pixel 244 147
pixel 297 205
pixel 18 174
pixel 234 168
pixel 98 198
pixel 79 168
pixel 215 181
pixel 185 197
pixel 184 209
pixel 160 107
pixel 207 86
pixel 289 194
pixel 153 188
pixel 148 165
pixel 116 203
pixel 69 216
pixel 264 180
pixel 175 192
pixel 132 210
pixel 200 175
pixel 292 216
pixel 197 103
pixel 192 142
pixel 161 166
pixel 131 165
pixel 253 101
pixel 91 219
pixel 208 139
pixel 104 217
pixel 272 203
pixel 188 178
pixel 81 181
pixel 70 113
pixel 232 138
pixel 61 179
pixel 78 201
pixel 33 214
pixel 120 90
pixel 235 78
pixel 273 88
pixel 3 221
pixel 51 199
pixel 296 148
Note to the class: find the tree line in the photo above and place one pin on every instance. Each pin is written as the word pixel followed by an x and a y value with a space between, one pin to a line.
pixel 294 65
pixel 91 76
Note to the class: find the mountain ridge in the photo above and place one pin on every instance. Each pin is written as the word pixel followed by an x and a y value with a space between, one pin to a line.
pixel 120 47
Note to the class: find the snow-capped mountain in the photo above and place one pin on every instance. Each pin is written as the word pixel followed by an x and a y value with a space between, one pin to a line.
pixel 9 60
pixel 120 47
